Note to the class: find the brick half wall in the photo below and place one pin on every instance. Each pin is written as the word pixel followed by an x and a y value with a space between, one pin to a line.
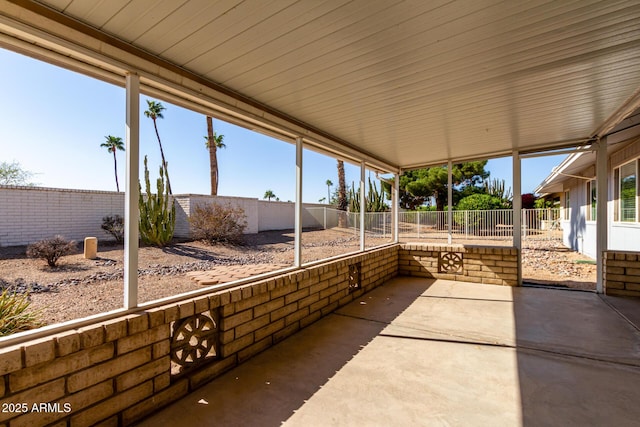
pixel 489 265
pixel 116 372
pixel 622 273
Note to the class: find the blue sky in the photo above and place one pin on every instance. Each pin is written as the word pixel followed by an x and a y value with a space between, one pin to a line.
pixel 54 120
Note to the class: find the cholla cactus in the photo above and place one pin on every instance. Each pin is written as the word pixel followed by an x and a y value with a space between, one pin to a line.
pixel 157 220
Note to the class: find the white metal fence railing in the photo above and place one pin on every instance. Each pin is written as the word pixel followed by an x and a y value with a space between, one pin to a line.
pixel 469 225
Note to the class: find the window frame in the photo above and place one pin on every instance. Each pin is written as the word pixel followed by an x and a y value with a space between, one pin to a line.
pixel 619 216
pixel 591 201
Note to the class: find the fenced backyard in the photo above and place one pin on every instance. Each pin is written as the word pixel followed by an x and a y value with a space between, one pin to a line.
pixel 468 225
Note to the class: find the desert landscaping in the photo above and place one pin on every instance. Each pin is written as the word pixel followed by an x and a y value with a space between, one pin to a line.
pixel 80 287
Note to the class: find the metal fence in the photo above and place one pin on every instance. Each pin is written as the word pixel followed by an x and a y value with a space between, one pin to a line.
pixel 466 225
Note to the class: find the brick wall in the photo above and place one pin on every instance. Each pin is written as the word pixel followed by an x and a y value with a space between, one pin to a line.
pixel 622 273
pixel 490 265
pixel 116 372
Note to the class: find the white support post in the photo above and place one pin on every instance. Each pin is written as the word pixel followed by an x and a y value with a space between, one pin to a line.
pixel 517 210
pixel 449 202
pixel 298 213
pixel 363 205
pixel 324 210
pixel 395 208
pixel 602 220
pixel 383 215
pixel 131 212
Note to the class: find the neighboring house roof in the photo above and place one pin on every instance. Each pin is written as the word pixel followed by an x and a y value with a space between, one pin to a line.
pixel 581 165
pixel 405 84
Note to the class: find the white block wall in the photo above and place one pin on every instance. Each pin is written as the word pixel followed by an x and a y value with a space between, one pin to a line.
pixel 186 204
pixel 29 214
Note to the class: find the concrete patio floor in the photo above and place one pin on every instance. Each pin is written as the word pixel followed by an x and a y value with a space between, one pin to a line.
pixel 424 352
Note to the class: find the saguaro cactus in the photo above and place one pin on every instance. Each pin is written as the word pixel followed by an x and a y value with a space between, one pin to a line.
pixel 157 218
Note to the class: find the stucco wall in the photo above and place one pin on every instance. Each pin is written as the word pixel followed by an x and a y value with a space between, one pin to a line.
pixel 281 215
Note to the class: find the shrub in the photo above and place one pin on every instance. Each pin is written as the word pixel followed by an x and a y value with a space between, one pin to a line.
pixel 114 225
pixel 218 223
pixel 51 249
pixel 480 202
pixel 14 316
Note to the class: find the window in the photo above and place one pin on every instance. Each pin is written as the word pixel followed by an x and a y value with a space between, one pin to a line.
pixel 627 186
pixel 567 206
pixel 591 200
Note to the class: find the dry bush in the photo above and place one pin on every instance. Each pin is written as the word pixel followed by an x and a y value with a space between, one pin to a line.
pixel 14 316
pixel 114 225
pixel 218 223
pixel 51 249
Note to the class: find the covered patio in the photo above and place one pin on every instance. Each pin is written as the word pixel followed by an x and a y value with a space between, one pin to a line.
pixel 390 86
pixel 436 352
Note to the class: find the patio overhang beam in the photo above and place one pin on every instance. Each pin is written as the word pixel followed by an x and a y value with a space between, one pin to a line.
pixel 37 31
pixel 575 143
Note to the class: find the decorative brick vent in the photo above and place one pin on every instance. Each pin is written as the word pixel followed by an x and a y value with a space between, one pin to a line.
pixel 450 262
pixel 354 277
pixel 495 265
pixel 194 341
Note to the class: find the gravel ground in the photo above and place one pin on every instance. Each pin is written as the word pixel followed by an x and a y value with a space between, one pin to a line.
pixel 549 262
pixel 81 287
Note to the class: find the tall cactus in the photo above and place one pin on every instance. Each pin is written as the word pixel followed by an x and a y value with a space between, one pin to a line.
pixel 374 199
pixel 157 219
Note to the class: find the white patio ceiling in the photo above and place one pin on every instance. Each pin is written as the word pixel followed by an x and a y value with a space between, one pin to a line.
pixel 409 83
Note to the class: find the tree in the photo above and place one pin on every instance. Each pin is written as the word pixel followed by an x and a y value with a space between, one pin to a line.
pixel 329 184
pixel 213 143
pixel 112 144
pixel 268 195
pixel 422 184
pixel 13 174
pixel 343 203
pixel 154 112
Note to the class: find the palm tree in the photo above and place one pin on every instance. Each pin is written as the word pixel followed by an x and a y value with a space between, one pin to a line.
pixel 342 195
pixel 268 195
pixel 112 144
pixel 154 112
pixel 329 184
pixel 213 143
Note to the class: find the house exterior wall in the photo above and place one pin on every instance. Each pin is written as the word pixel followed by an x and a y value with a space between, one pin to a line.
pixel 579 233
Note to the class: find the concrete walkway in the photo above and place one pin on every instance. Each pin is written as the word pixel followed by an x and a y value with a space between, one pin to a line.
pixel 420 352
